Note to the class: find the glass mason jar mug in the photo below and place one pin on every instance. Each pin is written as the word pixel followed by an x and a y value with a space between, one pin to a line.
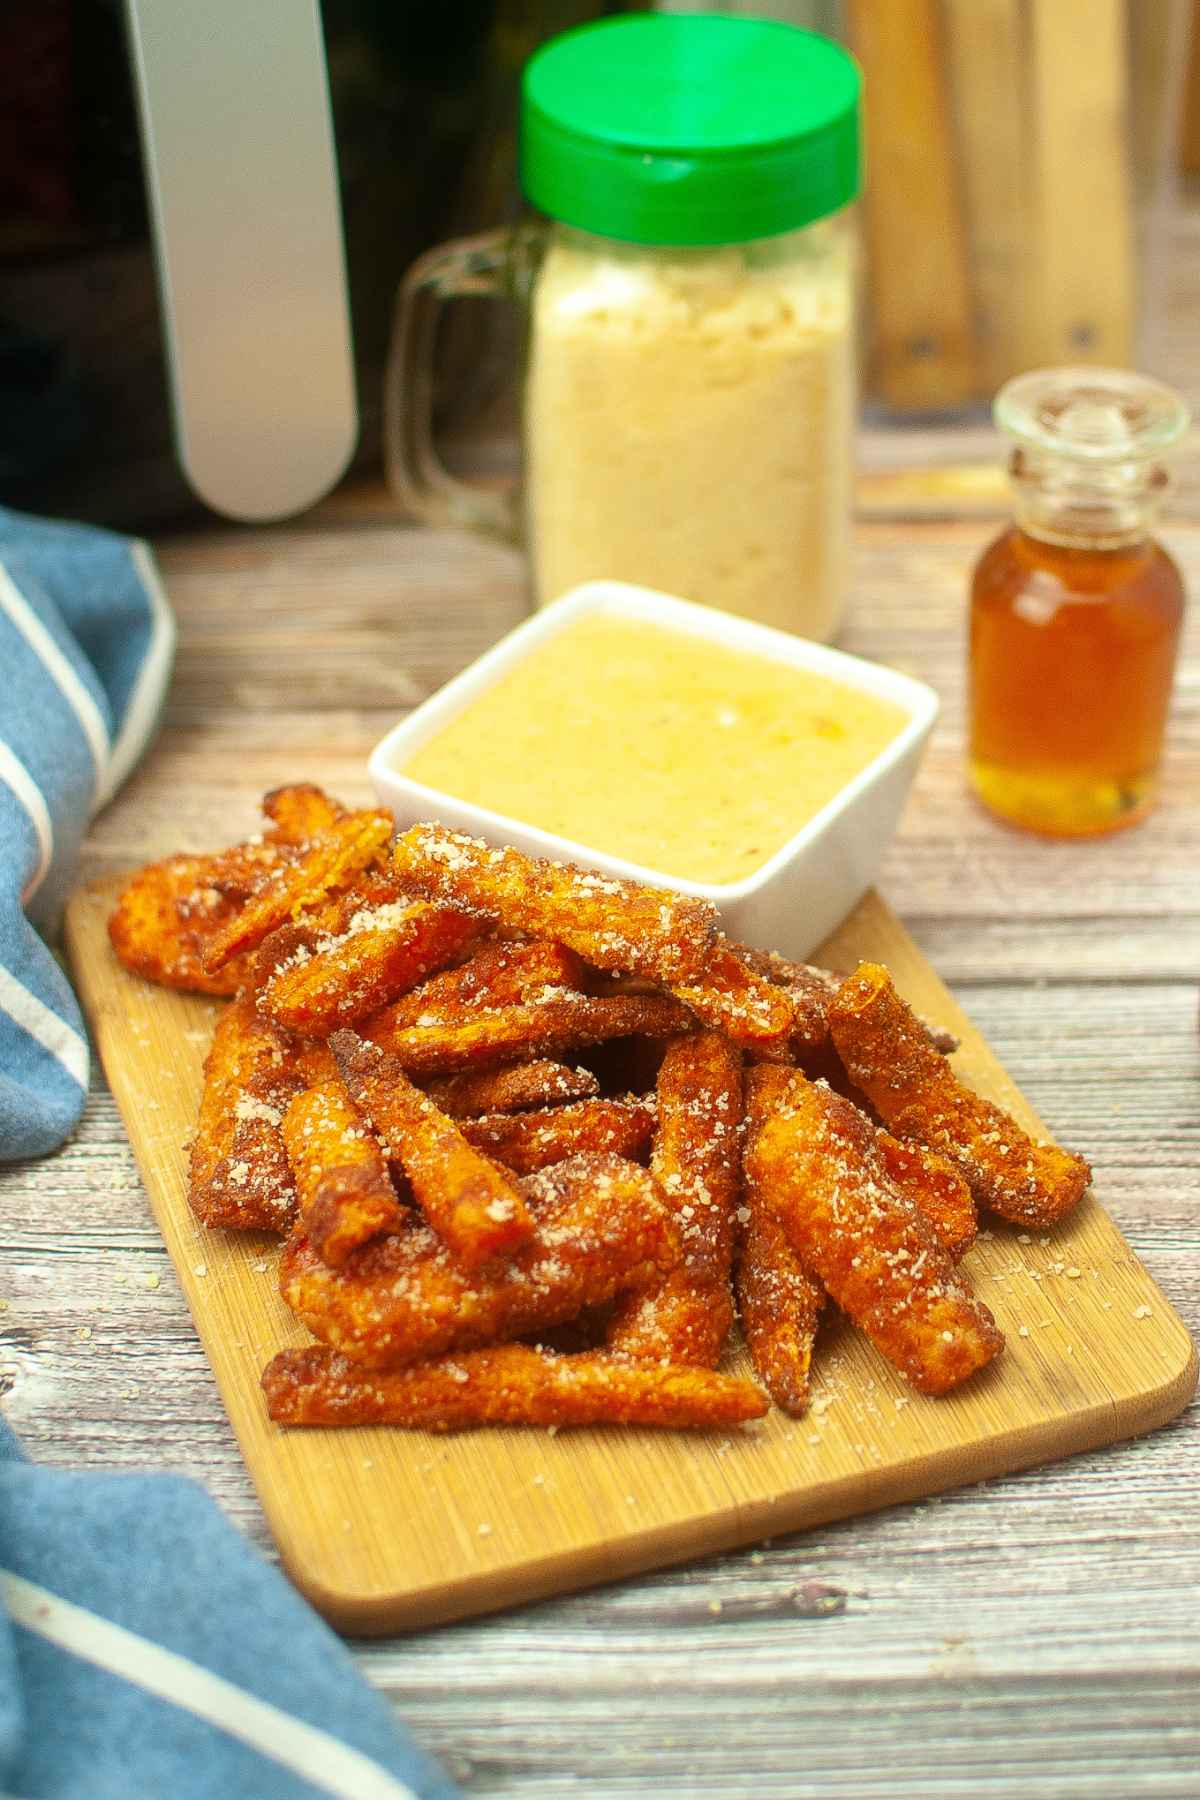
pixel 689 385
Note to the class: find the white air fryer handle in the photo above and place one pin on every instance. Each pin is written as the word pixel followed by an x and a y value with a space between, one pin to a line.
pixel 242 176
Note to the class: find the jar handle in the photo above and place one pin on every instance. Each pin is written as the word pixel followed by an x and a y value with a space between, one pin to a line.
pixel 474 267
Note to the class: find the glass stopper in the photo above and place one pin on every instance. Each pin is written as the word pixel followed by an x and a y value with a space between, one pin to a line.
pixel 1091 415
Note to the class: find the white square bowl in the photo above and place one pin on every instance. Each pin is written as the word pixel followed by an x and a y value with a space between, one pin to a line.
pixel 808 886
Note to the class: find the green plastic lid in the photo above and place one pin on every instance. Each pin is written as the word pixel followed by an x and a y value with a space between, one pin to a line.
pixel 692 128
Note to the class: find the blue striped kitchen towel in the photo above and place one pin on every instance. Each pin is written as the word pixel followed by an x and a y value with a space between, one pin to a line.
pixel 86 642
pixel 150 1654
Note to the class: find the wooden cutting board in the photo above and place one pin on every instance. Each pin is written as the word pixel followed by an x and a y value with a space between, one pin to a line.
pixel 385 1529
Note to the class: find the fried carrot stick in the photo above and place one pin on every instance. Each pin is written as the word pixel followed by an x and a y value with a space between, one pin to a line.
pixel 385 951
pixel 554 1025
pixel 783 970
pixel 319 925
pixel 497 975
pixel 811 989
pixel 780 1306
pixel 510 1384
pixel 937 1188
pixel 299 812
pixel 170 912
pixel 685 1316
pixel 779 1301
pixel 513 1089
pixel 239 1176
pixel 331 918
pixel 808 988
pixel 252 1189
pixel 338 853
pixel 345 1194
pixel 473 1205
pixel 887 1054
pixel 869 1244
pixel 525 1141
pixel 600 1228
pixel 731 997
pixel 614 924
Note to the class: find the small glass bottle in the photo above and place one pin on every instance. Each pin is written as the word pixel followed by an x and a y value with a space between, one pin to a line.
pixel 1076 609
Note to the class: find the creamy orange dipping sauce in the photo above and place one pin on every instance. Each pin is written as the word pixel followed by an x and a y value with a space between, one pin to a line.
pixel 668 750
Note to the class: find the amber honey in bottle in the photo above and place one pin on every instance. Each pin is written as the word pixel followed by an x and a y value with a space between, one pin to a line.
pixel 1076 609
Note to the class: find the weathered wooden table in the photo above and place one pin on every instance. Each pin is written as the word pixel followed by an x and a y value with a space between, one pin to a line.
pixel 1033 1638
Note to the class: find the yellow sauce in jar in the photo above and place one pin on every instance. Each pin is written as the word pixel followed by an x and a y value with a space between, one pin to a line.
pixel 668 750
